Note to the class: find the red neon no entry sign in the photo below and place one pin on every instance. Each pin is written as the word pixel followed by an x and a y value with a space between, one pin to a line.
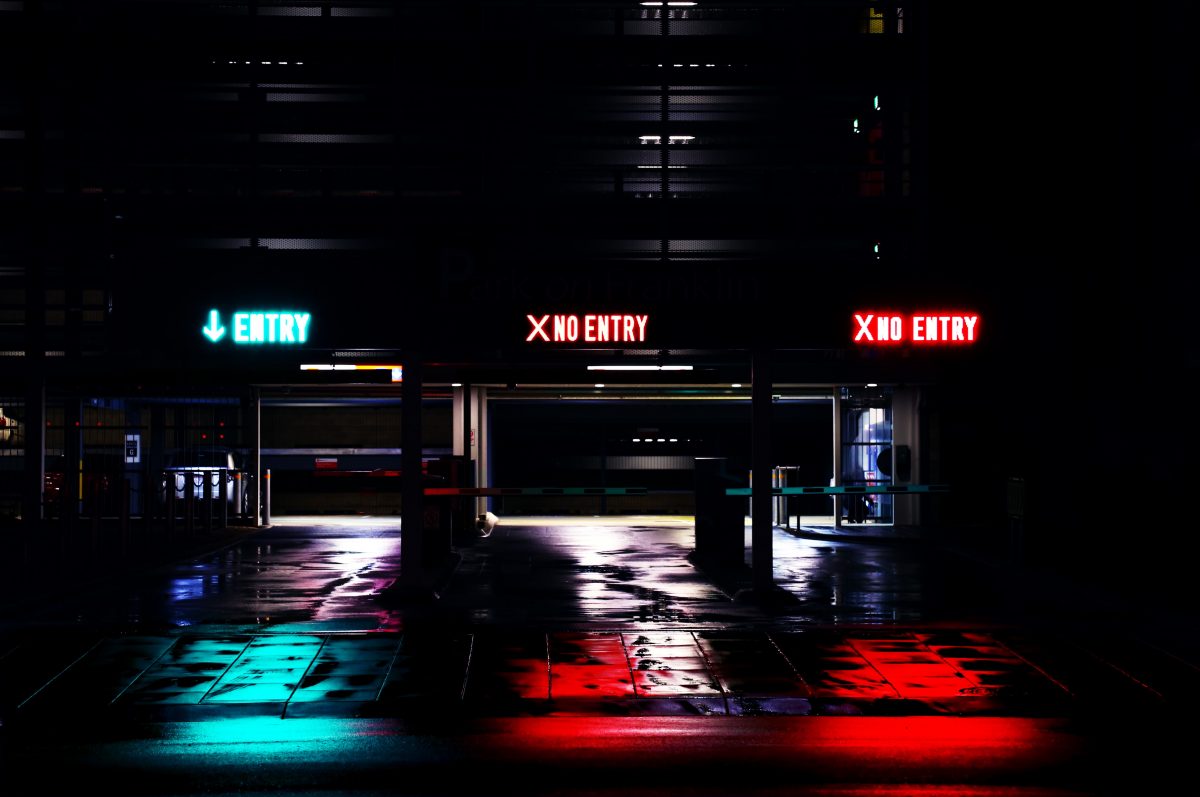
pixel 921 329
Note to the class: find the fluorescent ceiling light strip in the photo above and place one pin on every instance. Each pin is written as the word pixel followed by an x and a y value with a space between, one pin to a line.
pixel 347 367
pixel 639 367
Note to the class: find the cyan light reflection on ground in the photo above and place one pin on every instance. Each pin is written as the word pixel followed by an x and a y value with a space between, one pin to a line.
pixel 262 735
pixel 337 747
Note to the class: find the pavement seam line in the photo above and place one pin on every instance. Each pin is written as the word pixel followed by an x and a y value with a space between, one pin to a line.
pixel 808 689
pixel 1121 670
pixel 41 688
pixel 633 687
pixel 958 670
pixel 391 664
pixel 307 670
pixel 711 673
pixel 871 664
pixel 1168 653
pixel 145 670
pixel 228 667
pixel 462 693
pixel 1046 674
pixel 11 650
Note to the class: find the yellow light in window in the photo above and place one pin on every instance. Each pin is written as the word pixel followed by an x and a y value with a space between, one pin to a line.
pixel 874 20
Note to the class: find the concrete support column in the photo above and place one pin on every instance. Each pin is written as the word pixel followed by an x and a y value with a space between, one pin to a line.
pixel 906 436
pixel 467 437
pixel 34 433
pixel 483 465
pixel 412 510
pixel 72 494
pixel 462 430
pixel 762 529
pixel 460 413
pixel 154 458
pixel 257 476
pixel 837 456
pixel 464 425
pixel 35 236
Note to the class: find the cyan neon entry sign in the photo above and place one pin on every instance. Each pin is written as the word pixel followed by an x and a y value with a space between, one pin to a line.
pixel 254 327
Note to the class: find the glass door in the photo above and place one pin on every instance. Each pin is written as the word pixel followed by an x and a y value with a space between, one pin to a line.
pixel 867 459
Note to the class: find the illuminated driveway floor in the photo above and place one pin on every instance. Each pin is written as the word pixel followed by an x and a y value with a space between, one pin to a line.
pixel 558 642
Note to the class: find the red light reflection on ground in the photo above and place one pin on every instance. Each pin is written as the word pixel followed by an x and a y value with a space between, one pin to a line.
pixel 922 749
pixel 914 670
pixel 589 680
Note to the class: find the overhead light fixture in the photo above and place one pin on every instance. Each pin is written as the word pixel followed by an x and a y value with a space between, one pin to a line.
pixel 639 367
pixel 599 384
pixel 397 370
pixel 670 139
pixel 456 384
pixel 736 384
pixel 872 384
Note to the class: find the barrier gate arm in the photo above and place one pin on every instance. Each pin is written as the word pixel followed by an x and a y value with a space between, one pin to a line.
pixel 891 489
pixel 498 491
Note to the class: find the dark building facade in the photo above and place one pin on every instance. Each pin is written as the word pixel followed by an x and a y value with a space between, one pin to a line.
pixel 428 185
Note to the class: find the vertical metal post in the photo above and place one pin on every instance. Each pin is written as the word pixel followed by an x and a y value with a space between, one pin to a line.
pixel 266 505
pixel 225 485
pixel 775 499
pixel 170 508
pixel 207 477
pixel 189 503
pixel 762 530
pixel 239 496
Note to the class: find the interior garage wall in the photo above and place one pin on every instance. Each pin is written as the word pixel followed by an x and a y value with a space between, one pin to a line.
pixel 360 451
pixel 592 444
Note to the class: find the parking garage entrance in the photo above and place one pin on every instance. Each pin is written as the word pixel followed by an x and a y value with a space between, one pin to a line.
pixel 337 448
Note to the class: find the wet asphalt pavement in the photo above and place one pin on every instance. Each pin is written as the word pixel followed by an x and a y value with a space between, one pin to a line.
pixel 557 573
pixel 563 653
